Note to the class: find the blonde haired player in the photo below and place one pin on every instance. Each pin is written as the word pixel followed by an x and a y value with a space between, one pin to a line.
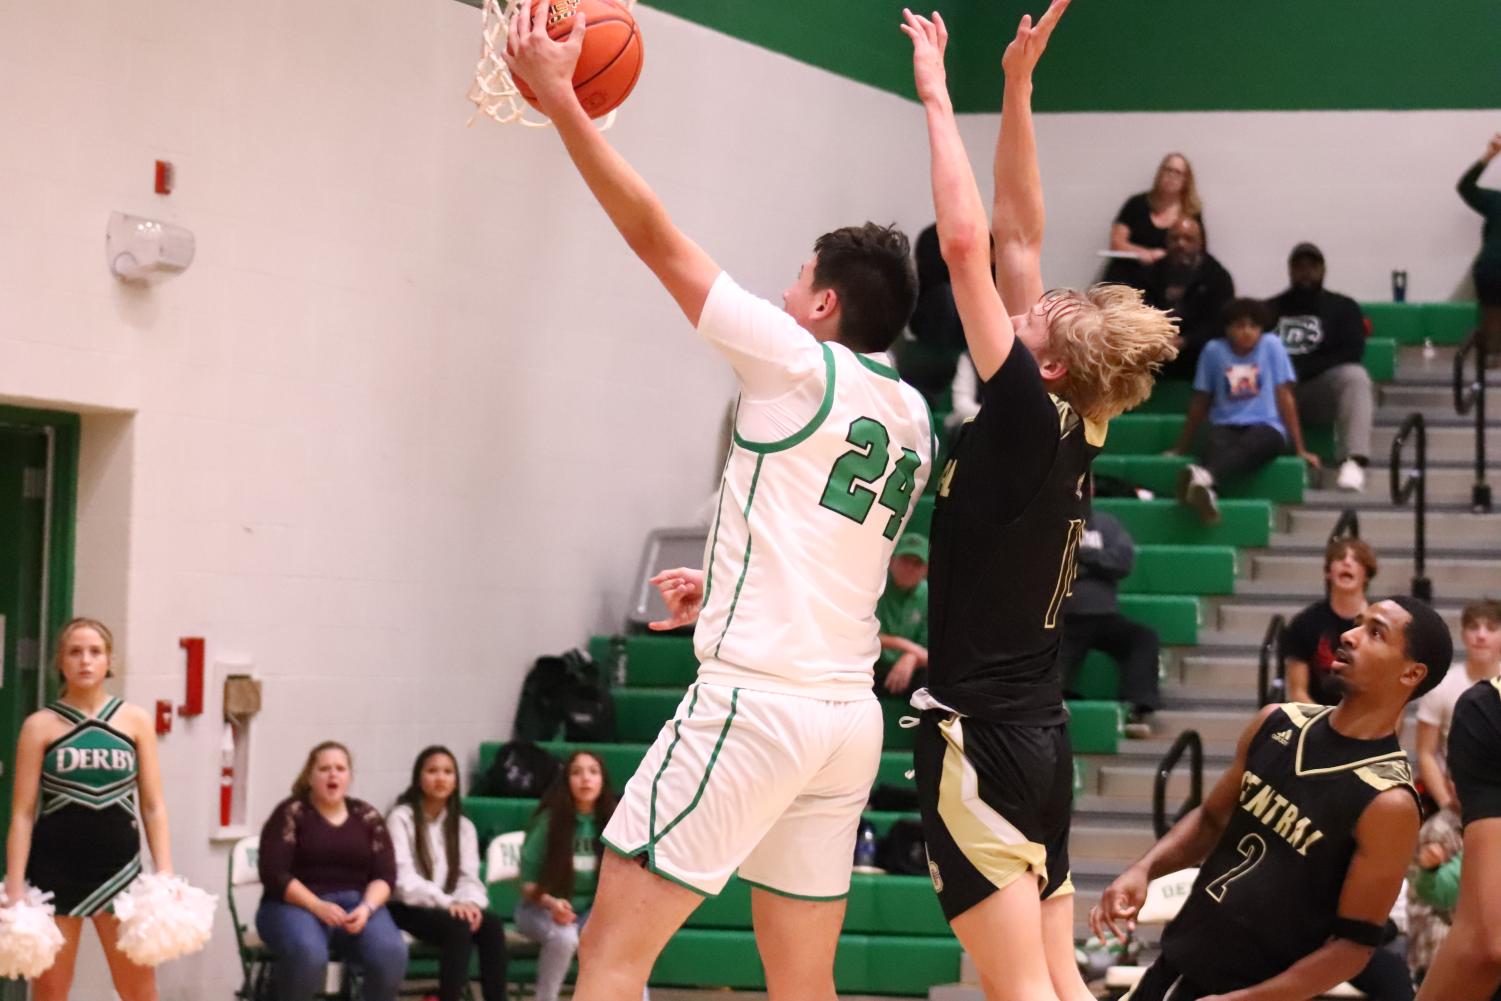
pixel 769 760
pixel 994 767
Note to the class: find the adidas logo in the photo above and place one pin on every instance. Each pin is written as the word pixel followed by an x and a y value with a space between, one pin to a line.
pixel 1283 737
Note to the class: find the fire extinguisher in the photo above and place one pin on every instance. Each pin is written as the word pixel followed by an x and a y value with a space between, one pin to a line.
pixel 226 775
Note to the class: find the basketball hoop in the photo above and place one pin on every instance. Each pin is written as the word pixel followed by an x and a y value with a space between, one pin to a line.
pixel 494 93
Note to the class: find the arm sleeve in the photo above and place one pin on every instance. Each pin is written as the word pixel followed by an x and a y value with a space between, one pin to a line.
pixel 278 846
pixel 411 887
pixel 1486 201
pixel 1296 641
pixel 1206 376
pixel 1348 334
pixel 532 850
pixel 382 855
pixel 1114 559
pixel 470 889
pixel 1281 364
pixel 770 353
pixel 1128 216
pixel 1430 709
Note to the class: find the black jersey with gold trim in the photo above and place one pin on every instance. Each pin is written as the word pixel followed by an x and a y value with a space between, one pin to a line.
pixel 1011 506
pixel 1269 892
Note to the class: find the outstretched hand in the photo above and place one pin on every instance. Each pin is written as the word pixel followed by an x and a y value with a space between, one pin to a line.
pixel 929 39
pixel 1031 40
pixel 1493 147
pixel 683 593
pixel 530 53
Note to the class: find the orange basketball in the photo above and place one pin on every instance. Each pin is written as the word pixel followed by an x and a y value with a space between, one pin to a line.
pixel 610 62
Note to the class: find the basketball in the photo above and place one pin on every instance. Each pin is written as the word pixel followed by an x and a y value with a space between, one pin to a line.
pixel 610 61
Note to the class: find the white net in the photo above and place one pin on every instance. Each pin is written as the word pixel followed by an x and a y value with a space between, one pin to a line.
pixel 494 93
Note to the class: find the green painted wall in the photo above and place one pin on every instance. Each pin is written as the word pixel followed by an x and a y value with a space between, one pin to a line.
pixel 1158 55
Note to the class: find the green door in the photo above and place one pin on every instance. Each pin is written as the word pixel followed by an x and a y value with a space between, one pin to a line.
pixel 24 479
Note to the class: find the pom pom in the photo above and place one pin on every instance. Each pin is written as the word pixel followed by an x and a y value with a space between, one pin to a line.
pixel 163 918
pixel 29 938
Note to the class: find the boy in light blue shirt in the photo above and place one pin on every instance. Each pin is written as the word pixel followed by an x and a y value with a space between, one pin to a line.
pixel 1244 385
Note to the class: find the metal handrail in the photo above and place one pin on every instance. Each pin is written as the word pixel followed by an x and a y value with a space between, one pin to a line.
pixel 1188 741
pixel 1415 485
pixel 1470 394
pixel 1271 689
pixel 1347 526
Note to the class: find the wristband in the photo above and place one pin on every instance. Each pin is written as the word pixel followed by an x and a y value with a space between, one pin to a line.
pixel 1360 932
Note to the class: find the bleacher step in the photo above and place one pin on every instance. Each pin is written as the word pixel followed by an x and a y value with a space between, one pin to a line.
pixel 1391 528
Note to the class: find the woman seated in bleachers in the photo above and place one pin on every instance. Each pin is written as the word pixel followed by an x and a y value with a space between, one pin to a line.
pixel 439 898
pixel 560 865
pixel 327 866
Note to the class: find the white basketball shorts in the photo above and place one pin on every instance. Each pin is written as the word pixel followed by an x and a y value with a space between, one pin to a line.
pixel 767 783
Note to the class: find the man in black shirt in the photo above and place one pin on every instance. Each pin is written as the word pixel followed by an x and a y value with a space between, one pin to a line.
pixel 1192 284
pixel 1311 639
pixel 1468 964
pixel 993 766
pixel 1324 333
pixel 1304 841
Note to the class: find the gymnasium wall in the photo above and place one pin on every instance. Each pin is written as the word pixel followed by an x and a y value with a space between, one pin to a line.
pixel 405 422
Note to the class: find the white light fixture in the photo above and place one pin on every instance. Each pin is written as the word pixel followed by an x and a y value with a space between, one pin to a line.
pixel 145 250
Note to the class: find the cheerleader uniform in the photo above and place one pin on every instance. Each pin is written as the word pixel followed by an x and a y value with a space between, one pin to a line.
pixel 86 845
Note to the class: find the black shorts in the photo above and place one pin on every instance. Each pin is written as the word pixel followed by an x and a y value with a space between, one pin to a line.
pixel 84 857
pixel 1474 754
pixel 996 801
pixel 1162 982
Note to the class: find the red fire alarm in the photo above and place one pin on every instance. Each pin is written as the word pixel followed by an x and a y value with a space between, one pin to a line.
pixel 163 717
pixel 165 175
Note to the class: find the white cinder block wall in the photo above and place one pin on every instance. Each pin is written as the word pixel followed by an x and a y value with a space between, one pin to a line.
pixel 402 426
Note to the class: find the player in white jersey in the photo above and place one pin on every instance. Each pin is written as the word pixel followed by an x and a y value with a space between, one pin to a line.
pixel 769 760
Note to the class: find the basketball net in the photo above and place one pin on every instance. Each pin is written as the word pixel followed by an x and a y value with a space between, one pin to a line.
pixel 494 93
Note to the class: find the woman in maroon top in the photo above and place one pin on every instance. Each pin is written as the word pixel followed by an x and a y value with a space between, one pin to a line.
pixel 327 866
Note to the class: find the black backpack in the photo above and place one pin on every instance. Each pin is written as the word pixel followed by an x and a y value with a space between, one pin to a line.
pixel 520 770
pixel 903 851
pixel 568 693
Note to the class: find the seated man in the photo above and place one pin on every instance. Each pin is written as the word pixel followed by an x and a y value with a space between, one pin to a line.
pixel 1244 386
pixel 1312 637
pixel 1195 287
pixel 1324 334
pixel 902 613
pixel 1092 620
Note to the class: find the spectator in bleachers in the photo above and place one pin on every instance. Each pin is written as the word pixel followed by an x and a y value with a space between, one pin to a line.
pixel 1480 629
pixel 1195 286
pixel 902 614
pixel 1324 333
pixel 928 358
pixel 1092 620
pixel 1487 267
pixel 560 865
pixel 439 898
pixel 327 866
pixel 1433 886
pixel 1312 637
pixel 1142 224
pixel 1243 384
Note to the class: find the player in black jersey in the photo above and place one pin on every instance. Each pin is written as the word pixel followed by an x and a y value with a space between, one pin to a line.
pixel 993 765
pixel 1468 964
pixel 1305 838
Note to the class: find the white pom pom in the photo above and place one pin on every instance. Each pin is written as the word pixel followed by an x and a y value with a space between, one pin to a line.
pixel 163 918
pixel 29 938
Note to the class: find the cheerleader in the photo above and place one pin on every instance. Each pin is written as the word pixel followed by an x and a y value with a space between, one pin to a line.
pixel 86 779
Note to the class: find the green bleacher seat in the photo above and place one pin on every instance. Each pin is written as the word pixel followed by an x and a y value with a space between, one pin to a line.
pixel 1280 480
pixel 878 904
pixel 1381 359
pixel 1175 617
pixel 1246 523
pixel 1098 677
pixel 1449 322
pixel 1169 396
pixel 640 712
pixel 494 815
pixel 1189 570
pixel 1094 727
pixel 1143 434
pixel 1412 322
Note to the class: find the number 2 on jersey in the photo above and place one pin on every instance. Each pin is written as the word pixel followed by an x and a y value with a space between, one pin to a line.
pixel 1252 847
pixel 849 492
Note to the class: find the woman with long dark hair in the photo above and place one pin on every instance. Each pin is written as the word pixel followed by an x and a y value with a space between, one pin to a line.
pixel 1141 226
pixel 439 898
pixel 560 865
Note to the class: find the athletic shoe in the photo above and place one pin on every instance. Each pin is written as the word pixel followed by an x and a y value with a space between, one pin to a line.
pixel 1200 495
pixel 1351 477
pixel 1138 725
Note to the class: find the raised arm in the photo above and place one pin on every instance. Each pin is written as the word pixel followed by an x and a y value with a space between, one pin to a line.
pixel 962 234
pixel 679 264
pixel 1018 220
